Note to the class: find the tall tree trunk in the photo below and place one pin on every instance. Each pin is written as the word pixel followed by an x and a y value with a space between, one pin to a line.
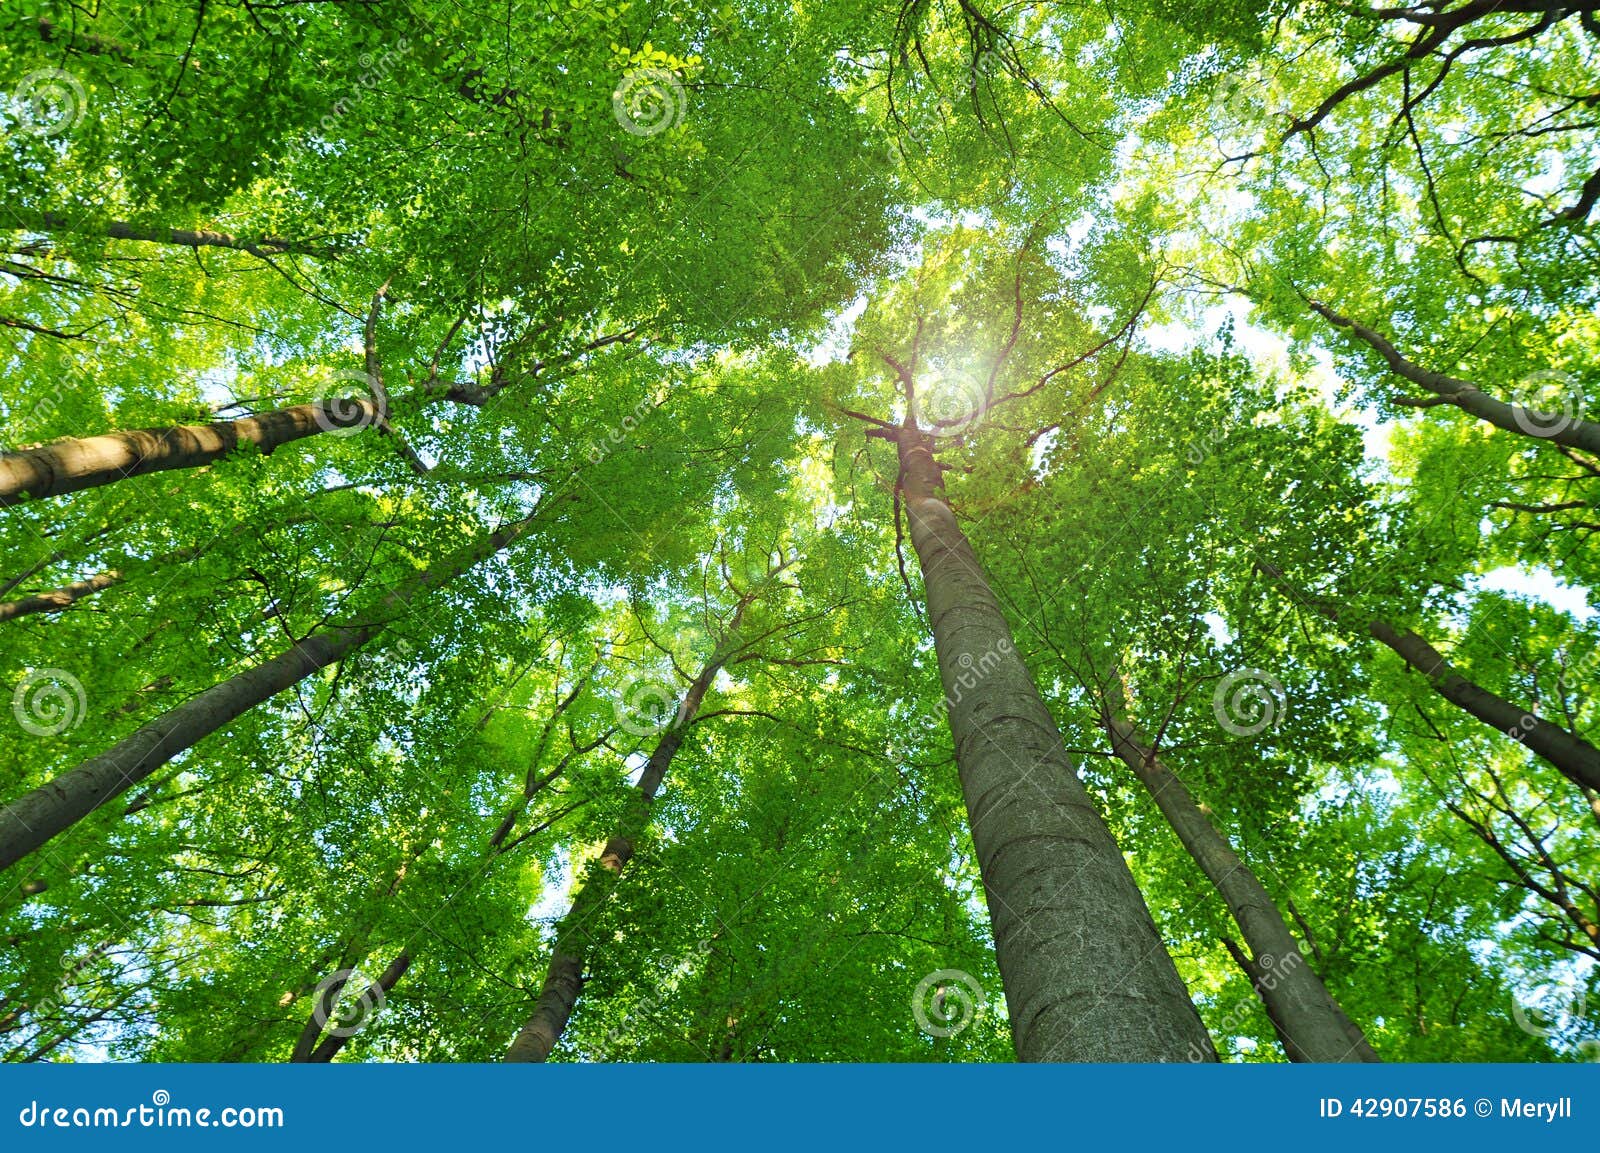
pixel 36 817
pixel 58 599
pixel 75 464
pixel 33 221
pixel 306 1048
pixel 1308 1019
pixel 563 980
pixel 1576 758
pixel 1086 975
pixel 78 463
pixel 1467 396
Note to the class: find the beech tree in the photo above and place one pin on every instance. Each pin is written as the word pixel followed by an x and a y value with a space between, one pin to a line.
pixel 601 531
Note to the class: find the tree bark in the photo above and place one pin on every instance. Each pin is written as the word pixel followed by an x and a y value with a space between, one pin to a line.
pixel 59 599
pixel 1576 758
pixel 1086 975
pixel 32 221
pixel 78 463
pixel 563 982
pixel 73 465
pixel 36 817
pixel 1463 394
pixel 1308 1019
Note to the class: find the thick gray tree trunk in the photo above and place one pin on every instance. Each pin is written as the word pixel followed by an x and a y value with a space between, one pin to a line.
pixel 1086 975
pixel 575 936
pixel 73 465
pixel 1308 1019
pixel 32 819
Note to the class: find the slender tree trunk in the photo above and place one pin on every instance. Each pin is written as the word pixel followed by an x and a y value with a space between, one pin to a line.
pixel 1086 975
pixel 322 1014
pixel 58 599
pixel 1467 396
pixel 33 221
pixel 1308 1019
pixel 74 464
pixel 1575 757
pixel 36 817
pixel 563 980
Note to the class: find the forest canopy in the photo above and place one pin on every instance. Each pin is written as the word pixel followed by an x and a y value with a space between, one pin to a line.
pixel 933 530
